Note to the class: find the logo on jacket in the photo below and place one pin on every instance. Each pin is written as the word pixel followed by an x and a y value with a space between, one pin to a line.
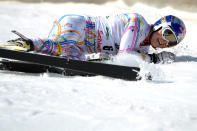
pixel 99 40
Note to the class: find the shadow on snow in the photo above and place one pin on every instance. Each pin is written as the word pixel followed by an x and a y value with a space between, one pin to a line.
pixel 186 59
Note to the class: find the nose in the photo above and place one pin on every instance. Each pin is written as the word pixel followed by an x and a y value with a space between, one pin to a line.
pixel 164 42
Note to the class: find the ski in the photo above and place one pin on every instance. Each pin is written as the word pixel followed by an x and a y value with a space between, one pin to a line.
pixel 94 68
pixel 27 67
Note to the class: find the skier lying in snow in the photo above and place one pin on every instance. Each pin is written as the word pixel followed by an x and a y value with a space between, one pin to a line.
pixel 74 36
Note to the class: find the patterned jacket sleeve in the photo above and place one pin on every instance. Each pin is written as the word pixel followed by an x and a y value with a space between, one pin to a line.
pixel 135 31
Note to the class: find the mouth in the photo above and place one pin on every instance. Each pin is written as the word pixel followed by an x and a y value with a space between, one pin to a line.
pixel 159 42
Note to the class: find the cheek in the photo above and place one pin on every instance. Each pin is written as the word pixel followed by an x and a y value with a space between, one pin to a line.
pixel 154 39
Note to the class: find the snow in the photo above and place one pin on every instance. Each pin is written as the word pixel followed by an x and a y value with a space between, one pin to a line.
pixel 37 102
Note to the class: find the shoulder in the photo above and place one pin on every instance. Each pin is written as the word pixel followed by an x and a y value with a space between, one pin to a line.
pixel 133 15
pixel 133 18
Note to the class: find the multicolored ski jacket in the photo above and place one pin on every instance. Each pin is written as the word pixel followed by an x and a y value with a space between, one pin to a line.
pixel 73 36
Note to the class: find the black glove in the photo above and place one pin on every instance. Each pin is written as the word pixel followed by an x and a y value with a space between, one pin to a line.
pixel 22 41
pixel 163 57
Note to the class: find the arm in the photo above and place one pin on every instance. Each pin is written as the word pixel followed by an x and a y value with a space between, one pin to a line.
pixel 162 57
pixel 129 38
pixel 135 30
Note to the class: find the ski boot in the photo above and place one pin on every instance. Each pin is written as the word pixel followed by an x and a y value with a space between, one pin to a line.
pixel 21 44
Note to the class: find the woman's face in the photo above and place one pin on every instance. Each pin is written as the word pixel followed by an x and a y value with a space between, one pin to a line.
pixel 157 40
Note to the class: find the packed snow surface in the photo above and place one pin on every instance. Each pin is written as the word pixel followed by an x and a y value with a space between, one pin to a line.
pixel 49 102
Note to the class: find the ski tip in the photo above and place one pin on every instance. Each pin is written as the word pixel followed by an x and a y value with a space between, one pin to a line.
pixel 13 31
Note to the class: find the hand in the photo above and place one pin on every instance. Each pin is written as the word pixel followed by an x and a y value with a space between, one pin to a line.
pixel 163 57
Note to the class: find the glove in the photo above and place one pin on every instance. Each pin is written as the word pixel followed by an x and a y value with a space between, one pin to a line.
pixel 23 42
pixel 163 57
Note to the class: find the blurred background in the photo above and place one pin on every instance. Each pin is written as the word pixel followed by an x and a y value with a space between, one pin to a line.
pixel 187 5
